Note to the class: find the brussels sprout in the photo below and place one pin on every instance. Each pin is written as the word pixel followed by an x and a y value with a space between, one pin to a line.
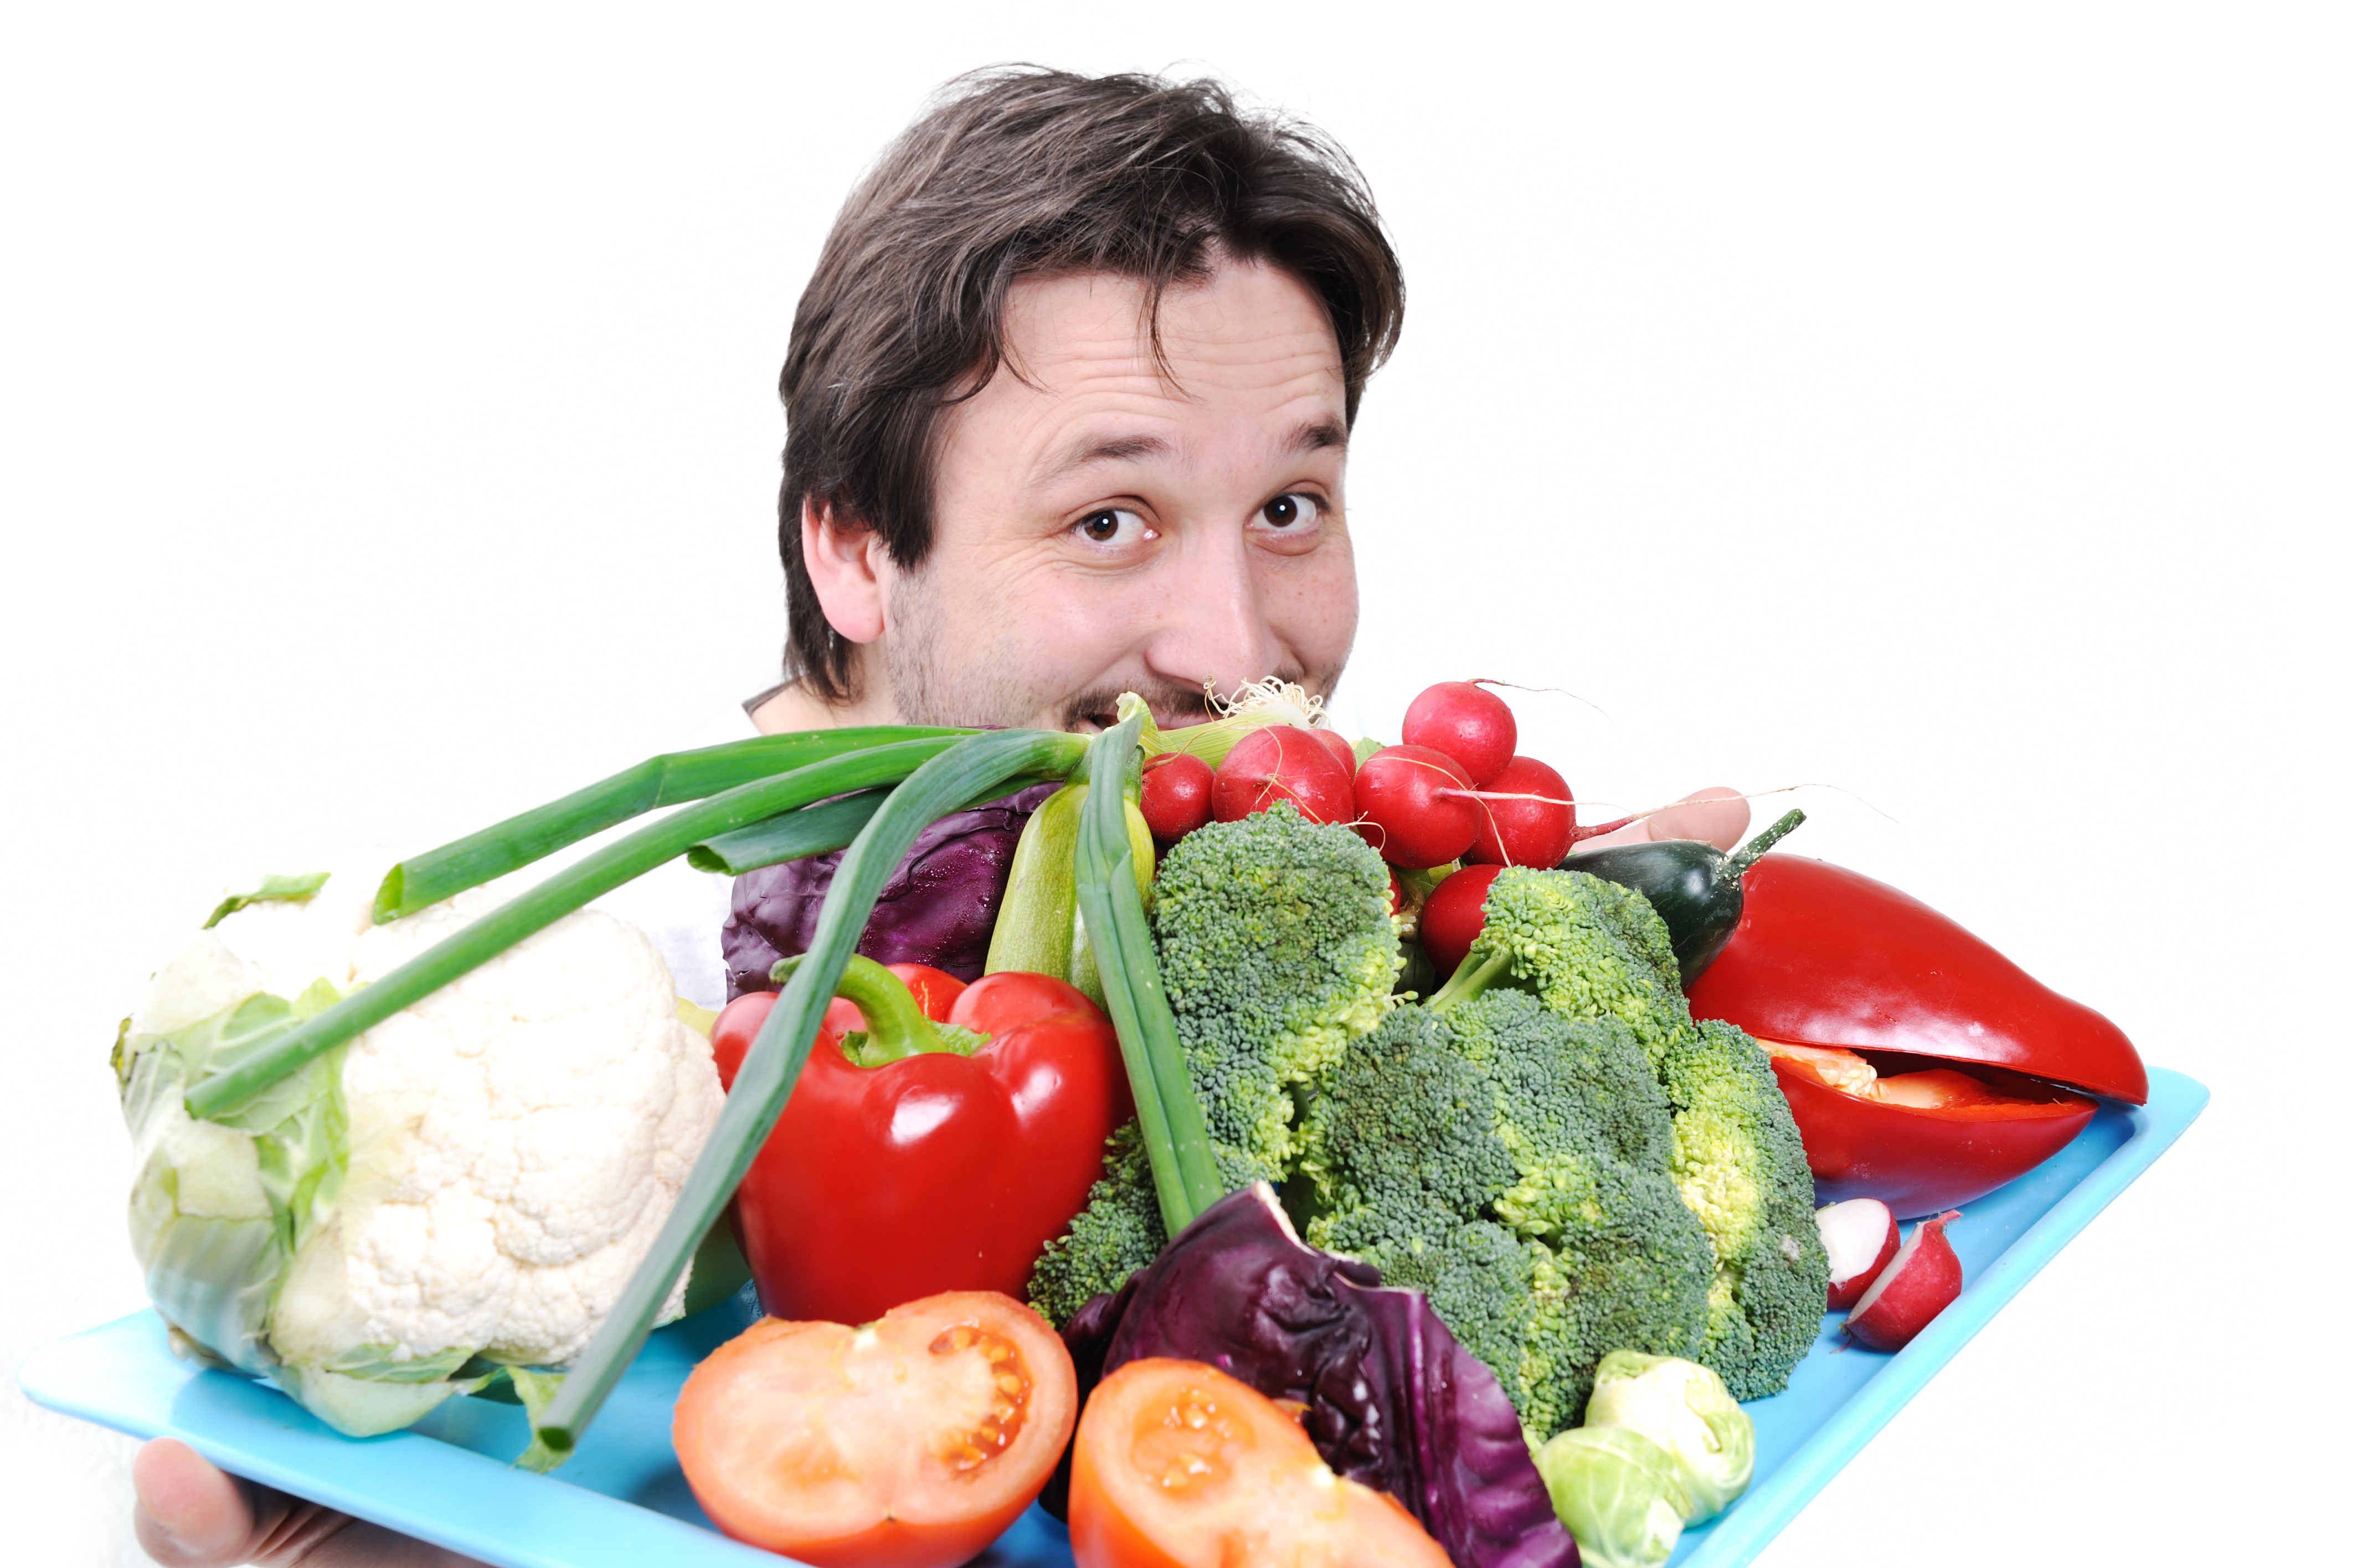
pixel 1618 1491
pixel 1686 1410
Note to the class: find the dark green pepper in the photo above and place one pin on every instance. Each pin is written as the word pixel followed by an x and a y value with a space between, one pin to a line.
pixel 1696 890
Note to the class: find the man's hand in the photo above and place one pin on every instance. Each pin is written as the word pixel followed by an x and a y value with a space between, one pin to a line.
pixel 1718 815
pixel 190 1515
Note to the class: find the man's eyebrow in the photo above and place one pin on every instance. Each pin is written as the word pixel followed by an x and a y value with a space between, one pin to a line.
pixel 1311 435
pixel 1317 434
pixel 1112 449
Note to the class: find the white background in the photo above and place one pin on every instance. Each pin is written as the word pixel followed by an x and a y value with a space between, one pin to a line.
pixel 1955 409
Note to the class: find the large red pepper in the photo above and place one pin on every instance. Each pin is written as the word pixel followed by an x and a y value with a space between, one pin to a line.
pixel 925 1170
pixel 1825 957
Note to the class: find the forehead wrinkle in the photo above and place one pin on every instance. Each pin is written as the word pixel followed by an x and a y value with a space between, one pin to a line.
pixel 1108 449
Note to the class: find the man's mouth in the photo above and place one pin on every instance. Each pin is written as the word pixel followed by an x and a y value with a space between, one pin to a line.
pixel 1163 719
pixel 1172 707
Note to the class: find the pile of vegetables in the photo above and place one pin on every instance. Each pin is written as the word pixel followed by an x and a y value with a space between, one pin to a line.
pixel 1549 1146
pixel 1281 1075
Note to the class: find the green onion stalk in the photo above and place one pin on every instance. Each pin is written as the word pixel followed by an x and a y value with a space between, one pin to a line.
pixel 233 1082
pixel 671 780
pixel 1169 1116
pixel 967 769
pixel 869 792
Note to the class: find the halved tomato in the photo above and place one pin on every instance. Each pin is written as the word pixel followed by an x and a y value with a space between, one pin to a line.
pixel 911 1441
pixel 1179 1465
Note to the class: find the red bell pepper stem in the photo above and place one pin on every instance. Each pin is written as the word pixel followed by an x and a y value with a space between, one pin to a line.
pixel 897 1027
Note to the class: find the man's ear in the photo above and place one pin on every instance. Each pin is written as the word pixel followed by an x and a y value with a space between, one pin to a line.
pixel 846 569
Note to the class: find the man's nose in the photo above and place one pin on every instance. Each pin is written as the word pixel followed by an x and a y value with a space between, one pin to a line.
pixel 1212 626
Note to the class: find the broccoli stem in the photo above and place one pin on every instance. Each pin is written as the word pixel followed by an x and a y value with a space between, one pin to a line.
pixel 1469 980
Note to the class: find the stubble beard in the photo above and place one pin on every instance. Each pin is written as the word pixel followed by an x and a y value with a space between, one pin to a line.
pixel 980 687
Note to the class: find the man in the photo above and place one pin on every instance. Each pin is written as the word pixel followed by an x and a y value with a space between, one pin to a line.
pixel 1067 399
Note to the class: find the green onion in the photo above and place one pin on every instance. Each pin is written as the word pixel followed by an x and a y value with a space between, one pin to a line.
pixel 273 889
pixel 774 1061
pixel 1170 1118
pixel 232 1083
pixel 790 835
pixel 666 780
pixel 813 829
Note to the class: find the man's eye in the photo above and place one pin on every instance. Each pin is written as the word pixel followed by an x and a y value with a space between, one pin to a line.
pixel 1289 512
pixel 1115 525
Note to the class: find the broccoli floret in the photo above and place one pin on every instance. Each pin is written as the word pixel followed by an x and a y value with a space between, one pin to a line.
pixel 1739 1165
pixel 1400 1142
pixel 1516 1167
pixel 1594 949
pixel 1276 946
pixel 1116 1234
pixel 1586 947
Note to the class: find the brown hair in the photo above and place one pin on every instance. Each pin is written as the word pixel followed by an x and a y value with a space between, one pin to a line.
pixel 1019 172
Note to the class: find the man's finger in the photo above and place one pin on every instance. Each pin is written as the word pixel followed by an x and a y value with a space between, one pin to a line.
pixel 188 1514
pixel 1718 815
pixel 191 1514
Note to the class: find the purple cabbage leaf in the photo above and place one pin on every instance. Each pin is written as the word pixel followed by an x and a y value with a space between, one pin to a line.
pixel 937 910
pixel 1392 1401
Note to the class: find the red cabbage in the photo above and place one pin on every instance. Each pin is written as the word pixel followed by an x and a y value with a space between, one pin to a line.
pixel 938 909
pixel 1393 1401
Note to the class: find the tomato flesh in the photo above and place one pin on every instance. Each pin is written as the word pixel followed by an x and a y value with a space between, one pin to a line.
pixel 1179 1465
pixel 911 1441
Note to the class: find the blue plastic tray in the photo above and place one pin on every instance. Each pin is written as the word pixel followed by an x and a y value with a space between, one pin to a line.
pixel 621 1501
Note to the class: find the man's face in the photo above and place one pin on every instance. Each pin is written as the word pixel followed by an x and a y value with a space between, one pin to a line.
pixel 1103 526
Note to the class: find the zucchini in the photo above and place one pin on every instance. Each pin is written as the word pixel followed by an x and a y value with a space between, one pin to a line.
pixel 1697 891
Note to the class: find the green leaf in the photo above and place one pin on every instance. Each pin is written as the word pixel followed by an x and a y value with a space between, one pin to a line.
pixel 274 890
pixel 549 1449
pixel 377 1363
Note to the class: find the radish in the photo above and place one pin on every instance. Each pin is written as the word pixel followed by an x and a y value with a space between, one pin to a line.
pixel 1472 725
pixel 1525 817
pixel 1281 762
pixel 1861 1238
pixel 1912 1289
pixel 1452 916
pixel 1174 795
pixel 1331 739
pixel 1412 806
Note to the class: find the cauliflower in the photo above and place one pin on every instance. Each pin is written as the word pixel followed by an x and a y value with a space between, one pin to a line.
pixel 468 1183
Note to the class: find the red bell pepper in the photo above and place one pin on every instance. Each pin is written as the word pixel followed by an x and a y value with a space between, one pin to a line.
pixel 930 1163
pixel 1824 957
